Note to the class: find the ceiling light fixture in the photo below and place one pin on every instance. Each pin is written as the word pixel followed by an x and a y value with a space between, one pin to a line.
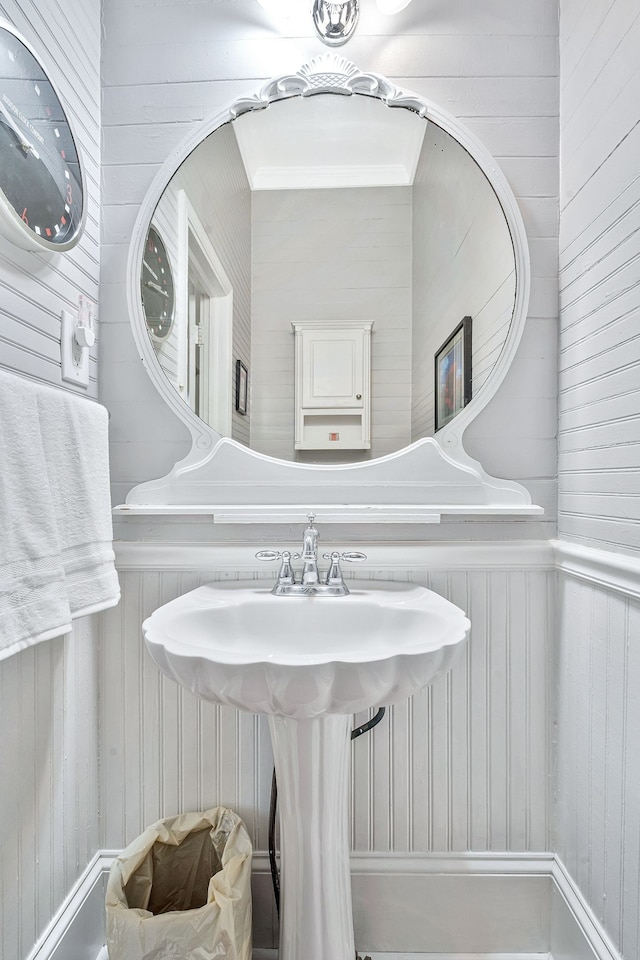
pixel 335 22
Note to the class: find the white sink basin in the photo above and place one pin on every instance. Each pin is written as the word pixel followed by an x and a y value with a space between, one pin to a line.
pixel 309 662
pixel 302 657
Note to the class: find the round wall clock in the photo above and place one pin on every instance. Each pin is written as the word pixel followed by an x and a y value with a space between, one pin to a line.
pixel 41 181
pixel 156 281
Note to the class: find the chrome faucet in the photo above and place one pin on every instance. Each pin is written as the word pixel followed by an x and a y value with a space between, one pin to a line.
pixel 310 583
pixel 310 576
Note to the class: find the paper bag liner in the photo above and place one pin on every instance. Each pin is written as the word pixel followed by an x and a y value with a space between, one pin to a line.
pixel 182 891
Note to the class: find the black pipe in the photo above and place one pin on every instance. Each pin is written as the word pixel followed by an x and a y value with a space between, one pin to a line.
pixel 275 876
pixel 369 725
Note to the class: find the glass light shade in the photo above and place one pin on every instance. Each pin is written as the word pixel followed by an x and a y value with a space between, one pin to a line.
pixel 389 7
pixel 335 20
pixel 280 8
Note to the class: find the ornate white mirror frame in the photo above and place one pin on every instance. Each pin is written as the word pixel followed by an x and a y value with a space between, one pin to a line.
pixel 421 482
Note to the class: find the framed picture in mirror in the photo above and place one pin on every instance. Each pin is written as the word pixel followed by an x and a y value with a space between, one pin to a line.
pixel 452 377
pixel 242 383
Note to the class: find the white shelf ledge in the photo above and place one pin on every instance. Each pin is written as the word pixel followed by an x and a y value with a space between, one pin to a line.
pixel 324 513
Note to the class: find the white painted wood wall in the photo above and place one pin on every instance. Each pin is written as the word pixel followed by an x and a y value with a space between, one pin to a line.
pixel 598 791
pixel 463 766
pixel 467 765
pixel 599 434
pixel 218 190
pixel 494 66
pixel 48 694
pixel 331 255
pixel 36 287
pixel 48 781
pixel 462 266
pixel 598 832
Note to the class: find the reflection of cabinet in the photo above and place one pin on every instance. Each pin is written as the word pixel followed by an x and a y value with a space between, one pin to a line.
pixel 333 385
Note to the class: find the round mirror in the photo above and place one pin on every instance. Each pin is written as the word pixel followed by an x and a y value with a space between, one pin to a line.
pixel 343 273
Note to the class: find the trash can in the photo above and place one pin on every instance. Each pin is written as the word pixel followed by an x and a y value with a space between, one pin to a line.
pixel 182 891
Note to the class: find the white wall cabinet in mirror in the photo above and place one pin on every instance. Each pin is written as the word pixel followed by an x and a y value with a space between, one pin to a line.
pixel 332 386
pixel 332 198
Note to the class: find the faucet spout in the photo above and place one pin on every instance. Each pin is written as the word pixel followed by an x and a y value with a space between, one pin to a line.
pixel 310 576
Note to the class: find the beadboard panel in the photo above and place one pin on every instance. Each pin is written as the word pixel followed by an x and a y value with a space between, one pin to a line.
pixel 599 360
pixel 36 287
pixel 598 813
pixel 463 765
pixel 48 780
pixel 497 71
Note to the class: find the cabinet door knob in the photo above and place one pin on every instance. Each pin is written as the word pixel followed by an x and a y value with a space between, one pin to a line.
pixel 358 396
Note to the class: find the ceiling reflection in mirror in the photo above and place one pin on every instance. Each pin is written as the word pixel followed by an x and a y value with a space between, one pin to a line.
pixel 322 252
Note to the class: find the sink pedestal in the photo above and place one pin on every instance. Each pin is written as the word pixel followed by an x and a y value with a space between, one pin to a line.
pixel 312 760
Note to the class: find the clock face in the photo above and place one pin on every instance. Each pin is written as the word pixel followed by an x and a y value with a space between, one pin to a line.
pixel 156 281
pixel 41 185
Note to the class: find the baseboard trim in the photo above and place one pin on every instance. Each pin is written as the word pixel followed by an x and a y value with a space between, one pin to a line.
pixel 582 915
pixel 272 954
pixel 77 930
pixel 453 864
pixel 74 920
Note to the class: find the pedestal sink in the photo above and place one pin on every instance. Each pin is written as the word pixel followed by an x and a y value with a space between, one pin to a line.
pixel 309 663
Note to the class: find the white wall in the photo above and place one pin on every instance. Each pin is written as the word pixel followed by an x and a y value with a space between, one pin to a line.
pixel 599 457
pixel 443 774
pixel 493 66
pixel 462 766
pixel 331 254
pixel 462 266
pixel 598 791
pixel 599 441
pixel 48 694
pixel 48 781
pixel 218 190
pixel 36 287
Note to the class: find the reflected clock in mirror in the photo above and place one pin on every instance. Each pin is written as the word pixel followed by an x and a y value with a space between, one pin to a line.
pixel 327 210
pixel 41 184
pixel 157 287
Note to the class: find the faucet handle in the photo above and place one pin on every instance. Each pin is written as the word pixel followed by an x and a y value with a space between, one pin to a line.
pixel 286 575
pixel 334 574
pixel 353 556
pixel 276 555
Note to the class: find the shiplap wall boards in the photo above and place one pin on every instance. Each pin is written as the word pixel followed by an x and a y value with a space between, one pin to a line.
pixel 36 287
pixel 599 459
pixel 496 71
pixel 467 765
pixel 49 693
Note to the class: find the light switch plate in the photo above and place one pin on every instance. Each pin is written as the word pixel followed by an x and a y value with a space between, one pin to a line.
pixel 74 359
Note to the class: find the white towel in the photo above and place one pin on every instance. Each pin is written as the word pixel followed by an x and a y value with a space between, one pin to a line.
pixel 76 448
pixel 56 554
